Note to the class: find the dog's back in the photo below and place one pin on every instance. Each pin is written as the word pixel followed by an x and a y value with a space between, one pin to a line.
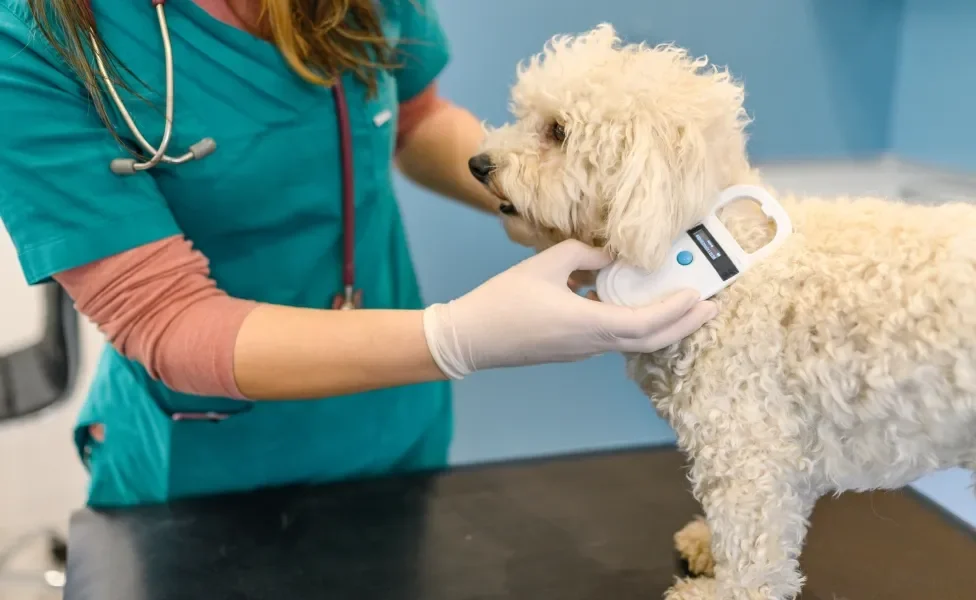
pixel 857 339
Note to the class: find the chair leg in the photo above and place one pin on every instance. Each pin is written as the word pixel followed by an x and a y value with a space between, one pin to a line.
pixel 53 578
pixel 58 549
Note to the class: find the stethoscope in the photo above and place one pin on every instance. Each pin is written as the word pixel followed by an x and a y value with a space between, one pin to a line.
pixel 349 297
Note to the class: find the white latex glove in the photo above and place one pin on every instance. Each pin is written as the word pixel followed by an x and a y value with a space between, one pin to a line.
pixel 527 315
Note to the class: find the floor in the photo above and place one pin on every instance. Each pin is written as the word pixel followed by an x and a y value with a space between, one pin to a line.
pixel 41 481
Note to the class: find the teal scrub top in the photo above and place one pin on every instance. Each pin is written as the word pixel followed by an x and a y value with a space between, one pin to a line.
pixel 265 208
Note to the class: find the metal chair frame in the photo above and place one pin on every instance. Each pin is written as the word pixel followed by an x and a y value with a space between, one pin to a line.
pixel 33 381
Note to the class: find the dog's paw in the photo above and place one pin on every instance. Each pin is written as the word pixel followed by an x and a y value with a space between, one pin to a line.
pixel 694 546
pixel 692 589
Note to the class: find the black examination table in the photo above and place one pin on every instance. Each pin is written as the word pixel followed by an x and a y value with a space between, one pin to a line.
pixel 587 527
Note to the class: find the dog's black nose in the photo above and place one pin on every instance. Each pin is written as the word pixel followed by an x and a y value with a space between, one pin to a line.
pixel 481 167
pixel 507 208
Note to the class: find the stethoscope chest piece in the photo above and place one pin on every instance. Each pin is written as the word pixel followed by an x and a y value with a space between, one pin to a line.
pixel 350 299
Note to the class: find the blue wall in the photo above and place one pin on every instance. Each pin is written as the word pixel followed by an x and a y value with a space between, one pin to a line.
pixel 935 86
pixel 819 76
pixel 818 72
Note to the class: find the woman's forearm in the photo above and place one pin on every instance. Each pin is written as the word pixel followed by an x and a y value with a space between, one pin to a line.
pixel 284 352
pixel 436 152
pixel 158 306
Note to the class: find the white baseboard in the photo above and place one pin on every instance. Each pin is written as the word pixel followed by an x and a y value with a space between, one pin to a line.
pixel 885 175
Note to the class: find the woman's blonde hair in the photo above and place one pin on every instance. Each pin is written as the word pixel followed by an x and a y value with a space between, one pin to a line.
pixel 319 39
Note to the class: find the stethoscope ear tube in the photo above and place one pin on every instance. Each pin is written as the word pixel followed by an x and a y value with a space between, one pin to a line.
pixel 129 166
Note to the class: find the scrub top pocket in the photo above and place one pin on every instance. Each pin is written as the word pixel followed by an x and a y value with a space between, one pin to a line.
pixel 131 465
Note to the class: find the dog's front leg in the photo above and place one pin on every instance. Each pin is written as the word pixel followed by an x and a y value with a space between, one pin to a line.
pixel 758 521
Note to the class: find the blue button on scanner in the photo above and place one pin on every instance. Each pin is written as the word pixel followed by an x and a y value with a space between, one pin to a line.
pixel 685 257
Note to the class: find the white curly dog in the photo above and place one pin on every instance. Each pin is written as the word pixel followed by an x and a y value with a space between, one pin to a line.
pixel 845 361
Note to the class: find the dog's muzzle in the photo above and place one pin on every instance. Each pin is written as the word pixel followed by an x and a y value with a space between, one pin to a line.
pixel 481 166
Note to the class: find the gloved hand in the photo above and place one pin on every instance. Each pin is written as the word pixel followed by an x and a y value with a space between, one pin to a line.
pixel 527 315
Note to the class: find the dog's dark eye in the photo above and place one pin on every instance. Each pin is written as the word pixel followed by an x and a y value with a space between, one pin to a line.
pixel 557 131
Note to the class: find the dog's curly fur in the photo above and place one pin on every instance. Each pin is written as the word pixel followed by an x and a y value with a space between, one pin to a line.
pixel 846 361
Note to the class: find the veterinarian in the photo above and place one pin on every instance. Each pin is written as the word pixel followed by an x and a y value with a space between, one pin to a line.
pixel 220 272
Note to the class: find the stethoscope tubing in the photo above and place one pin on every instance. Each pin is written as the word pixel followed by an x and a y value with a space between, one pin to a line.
pixel 128 166
pixel 349 297
pixel 348 190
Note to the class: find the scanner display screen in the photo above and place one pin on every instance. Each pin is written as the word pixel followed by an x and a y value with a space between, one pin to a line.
pixel 717 257
pixel 708 244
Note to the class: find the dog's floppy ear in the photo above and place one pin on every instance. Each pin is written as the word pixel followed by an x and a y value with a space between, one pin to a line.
pixel 659 188
pixel 682 141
